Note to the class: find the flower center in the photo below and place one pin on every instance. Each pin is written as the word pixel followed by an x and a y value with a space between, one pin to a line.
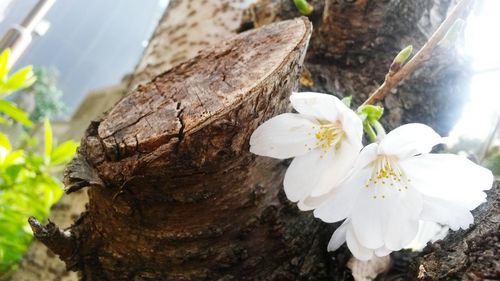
pixel 328 135
pixel 387 177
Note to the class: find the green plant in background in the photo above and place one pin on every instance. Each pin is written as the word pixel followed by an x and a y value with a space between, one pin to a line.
pixel 46 95
pixel 492 160
pixel 23 78
pixel 28 185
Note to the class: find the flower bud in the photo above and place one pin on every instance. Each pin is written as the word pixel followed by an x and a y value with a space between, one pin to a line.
pixel 303 7
pixel 370 113
pixel 400 59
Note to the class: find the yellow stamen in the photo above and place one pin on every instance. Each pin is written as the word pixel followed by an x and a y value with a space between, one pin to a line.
pixel 386 171
pixel 329 134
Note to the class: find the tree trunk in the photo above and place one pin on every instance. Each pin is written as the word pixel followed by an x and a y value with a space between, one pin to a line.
pixel 354 43
pixel 159 202
pixel 471 254
pixel 184 29
pixel 187 27
pixel 175 194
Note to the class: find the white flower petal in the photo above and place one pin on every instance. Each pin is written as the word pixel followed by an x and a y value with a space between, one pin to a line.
pixel 329 108
pixel 311 203
pixel 317 173
pixel 382 252
pixel 338 237
pixel 400 232
pixel 351 123
pixel 317 105
pixel 358 250
pixel 427 231
pixel 382 210
pixel 284 136
pixel 408 140
pixel 308 172
pixel 446 213
pixel 341 163
pixel 367 155
pixel 369 219
pixel 304 207
pixel 402 221
pixel 369 224
pixel 450 177
pixel 342 200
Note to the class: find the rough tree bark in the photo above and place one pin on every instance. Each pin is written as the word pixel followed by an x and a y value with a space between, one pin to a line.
pixel 184 29
pixel 355 41
pixel 351 48
pixel 473 254
pixel 187 27
pixel 175 194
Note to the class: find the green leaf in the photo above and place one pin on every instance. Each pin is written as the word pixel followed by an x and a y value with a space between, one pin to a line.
pixel 347 101
pixel 15 113
pixel 4 63
pixel 13 157
pixel 12 173
pixel 23 78
pixel 4 142
pixel 63 153
pixel 4 121
pixel 371 113
pixel 47 138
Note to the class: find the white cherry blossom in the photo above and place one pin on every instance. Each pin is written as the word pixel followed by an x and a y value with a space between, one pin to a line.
pixel 324 137
pixel 397 183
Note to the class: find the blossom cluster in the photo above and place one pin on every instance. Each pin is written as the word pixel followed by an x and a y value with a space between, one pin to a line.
pixel 382 191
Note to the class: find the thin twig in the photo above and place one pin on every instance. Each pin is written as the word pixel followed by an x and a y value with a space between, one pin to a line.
pixel 487 145
pixel 424 54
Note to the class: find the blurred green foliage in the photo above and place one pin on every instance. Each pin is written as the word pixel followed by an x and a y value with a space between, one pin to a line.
pixel 47 95
pixel 472 147
pixel 28 185
pixel 492 160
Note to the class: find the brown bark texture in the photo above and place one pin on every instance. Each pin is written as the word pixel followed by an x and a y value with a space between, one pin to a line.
pixel 354 43
pixel 472 254
pixel 174 192
pixel 183 30
pixel 186 27
pixel 351 48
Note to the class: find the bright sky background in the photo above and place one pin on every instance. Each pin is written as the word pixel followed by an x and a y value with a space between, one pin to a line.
pixel 93 43
pixel 482 44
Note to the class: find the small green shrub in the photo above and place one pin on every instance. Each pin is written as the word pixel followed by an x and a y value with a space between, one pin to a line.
pixel 28 185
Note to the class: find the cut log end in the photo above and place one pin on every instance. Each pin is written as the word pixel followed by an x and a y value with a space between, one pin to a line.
pixel 179 194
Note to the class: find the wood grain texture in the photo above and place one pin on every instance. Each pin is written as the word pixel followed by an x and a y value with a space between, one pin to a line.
pixel 181 33
pixel 182 198
pixel 187 27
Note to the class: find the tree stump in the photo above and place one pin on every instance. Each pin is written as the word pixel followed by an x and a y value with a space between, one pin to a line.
pixel 174 192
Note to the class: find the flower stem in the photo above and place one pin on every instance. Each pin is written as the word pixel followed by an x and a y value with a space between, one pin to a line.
pixel 379 129
pixel 370 132
pixel 425 54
